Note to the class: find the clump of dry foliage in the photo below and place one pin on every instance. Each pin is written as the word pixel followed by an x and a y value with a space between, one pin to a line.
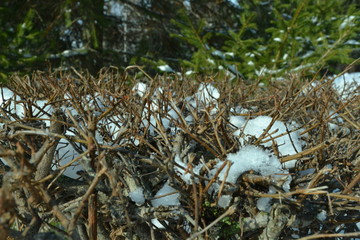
pixel 38 202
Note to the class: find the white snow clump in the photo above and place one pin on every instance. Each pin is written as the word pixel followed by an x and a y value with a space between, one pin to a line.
pixel 288 144
pixel 347 84
pixel 137 196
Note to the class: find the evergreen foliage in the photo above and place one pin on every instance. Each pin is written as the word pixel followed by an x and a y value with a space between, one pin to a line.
pixel 273 38
pixel 249 39
pixel 37 35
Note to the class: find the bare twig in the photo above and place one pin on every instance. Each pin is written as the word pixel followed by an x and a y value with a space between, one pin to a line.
pixel 85 198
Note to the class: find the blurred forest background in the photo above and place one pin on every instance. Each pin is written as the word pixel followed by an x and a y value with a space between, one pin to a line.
pixel 248 39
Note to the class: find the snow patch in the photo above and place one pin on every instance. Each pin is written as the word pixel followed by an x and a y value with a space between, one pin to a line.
pixel 168 200
pixel 250 158
pixel 347 84
pixel 137 196
pixel 288 144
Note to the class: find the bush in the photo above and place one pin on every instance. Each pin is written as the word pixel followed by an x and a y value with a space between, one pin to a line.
pixel 161 152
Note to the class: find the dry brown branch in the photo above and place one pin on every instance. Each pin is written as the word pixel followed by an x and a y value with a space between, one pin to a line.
pixel 92 211
pixel 352 184
pixel 125 143
pixel 308 151
pixel 72 223
pixel 331 235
